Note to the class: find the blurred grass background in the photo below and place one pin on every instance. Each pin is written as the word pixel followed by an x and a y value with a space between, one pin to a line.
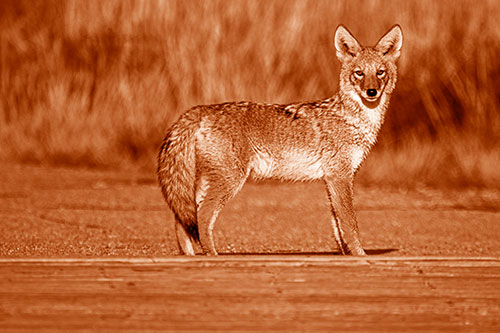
pixel 96 83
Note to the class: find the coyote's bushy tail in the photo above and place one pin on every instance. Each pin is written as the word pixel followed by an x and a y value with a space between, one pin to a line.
pixel 177 171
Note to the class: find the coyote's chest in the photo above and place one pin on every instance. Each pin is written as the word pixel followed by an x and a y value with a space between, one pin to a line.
pixel 288 165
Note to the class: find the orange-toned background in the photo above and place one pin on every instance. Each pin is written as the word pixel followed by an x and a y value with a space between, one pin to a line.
pixel 96 83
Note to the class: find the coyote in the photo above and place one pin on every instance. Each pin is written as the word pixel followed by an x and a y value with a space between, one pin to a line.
pixel 209 153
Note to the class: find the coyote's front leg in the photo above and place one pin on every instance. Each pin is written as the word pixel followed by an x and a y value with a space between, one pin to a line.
pixel 345 225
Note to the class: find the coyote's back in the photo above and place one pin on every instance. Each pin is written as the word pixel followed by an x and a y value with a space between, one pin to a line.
pixel 209 153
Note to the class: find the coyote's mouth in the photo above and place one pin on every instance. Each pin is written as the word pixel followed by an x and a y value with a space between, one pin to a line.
pixel 371 99
pixel 371 102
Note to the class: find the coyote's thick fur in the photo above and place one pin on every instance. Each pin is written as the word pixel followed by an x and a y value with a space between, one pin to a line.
pixel 211 150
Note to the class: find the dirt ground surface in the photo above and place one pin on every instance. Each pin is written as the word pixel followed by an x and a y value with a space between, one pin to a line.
pixel 64 212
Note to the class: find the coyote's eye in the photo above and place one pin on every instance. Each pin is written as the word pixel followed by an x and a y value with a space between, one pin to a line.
pixel 380 73
pixel 359 74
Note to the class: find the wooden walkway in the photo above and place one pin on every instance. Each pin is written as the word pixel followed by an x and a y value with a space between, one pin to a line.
pixel 251 293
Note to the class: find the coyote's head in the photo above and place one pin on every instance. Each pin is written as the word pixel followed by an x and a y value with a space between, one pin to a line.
pixel 368 73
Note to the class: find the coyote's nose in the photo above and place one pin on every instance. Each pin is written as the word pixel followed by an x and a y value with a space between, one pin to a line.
pixel 371 92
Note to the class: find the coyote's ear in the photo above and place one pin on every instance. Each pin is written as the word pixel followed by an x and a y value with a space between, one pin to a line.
pixel 347 46
pixel 390 44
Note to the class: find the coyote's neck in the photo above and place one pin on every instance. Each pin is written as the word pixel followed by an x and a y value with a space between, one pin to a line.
pixel 366 118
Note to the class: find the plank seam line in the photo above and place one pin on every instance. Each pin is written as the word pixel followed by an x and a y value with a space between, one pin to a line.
pixel 243 259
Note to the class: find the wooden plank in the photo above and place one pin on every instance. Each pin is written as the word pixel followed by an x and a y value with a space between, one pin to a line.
pixel 278 293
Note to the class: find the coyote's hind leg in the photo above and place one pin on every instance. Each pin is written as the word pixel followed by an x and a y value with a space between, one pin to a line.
pixel 218 190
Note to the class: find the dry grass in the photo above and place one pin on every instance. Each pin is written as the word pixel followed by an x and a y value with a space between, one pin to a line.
pixel 98 82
